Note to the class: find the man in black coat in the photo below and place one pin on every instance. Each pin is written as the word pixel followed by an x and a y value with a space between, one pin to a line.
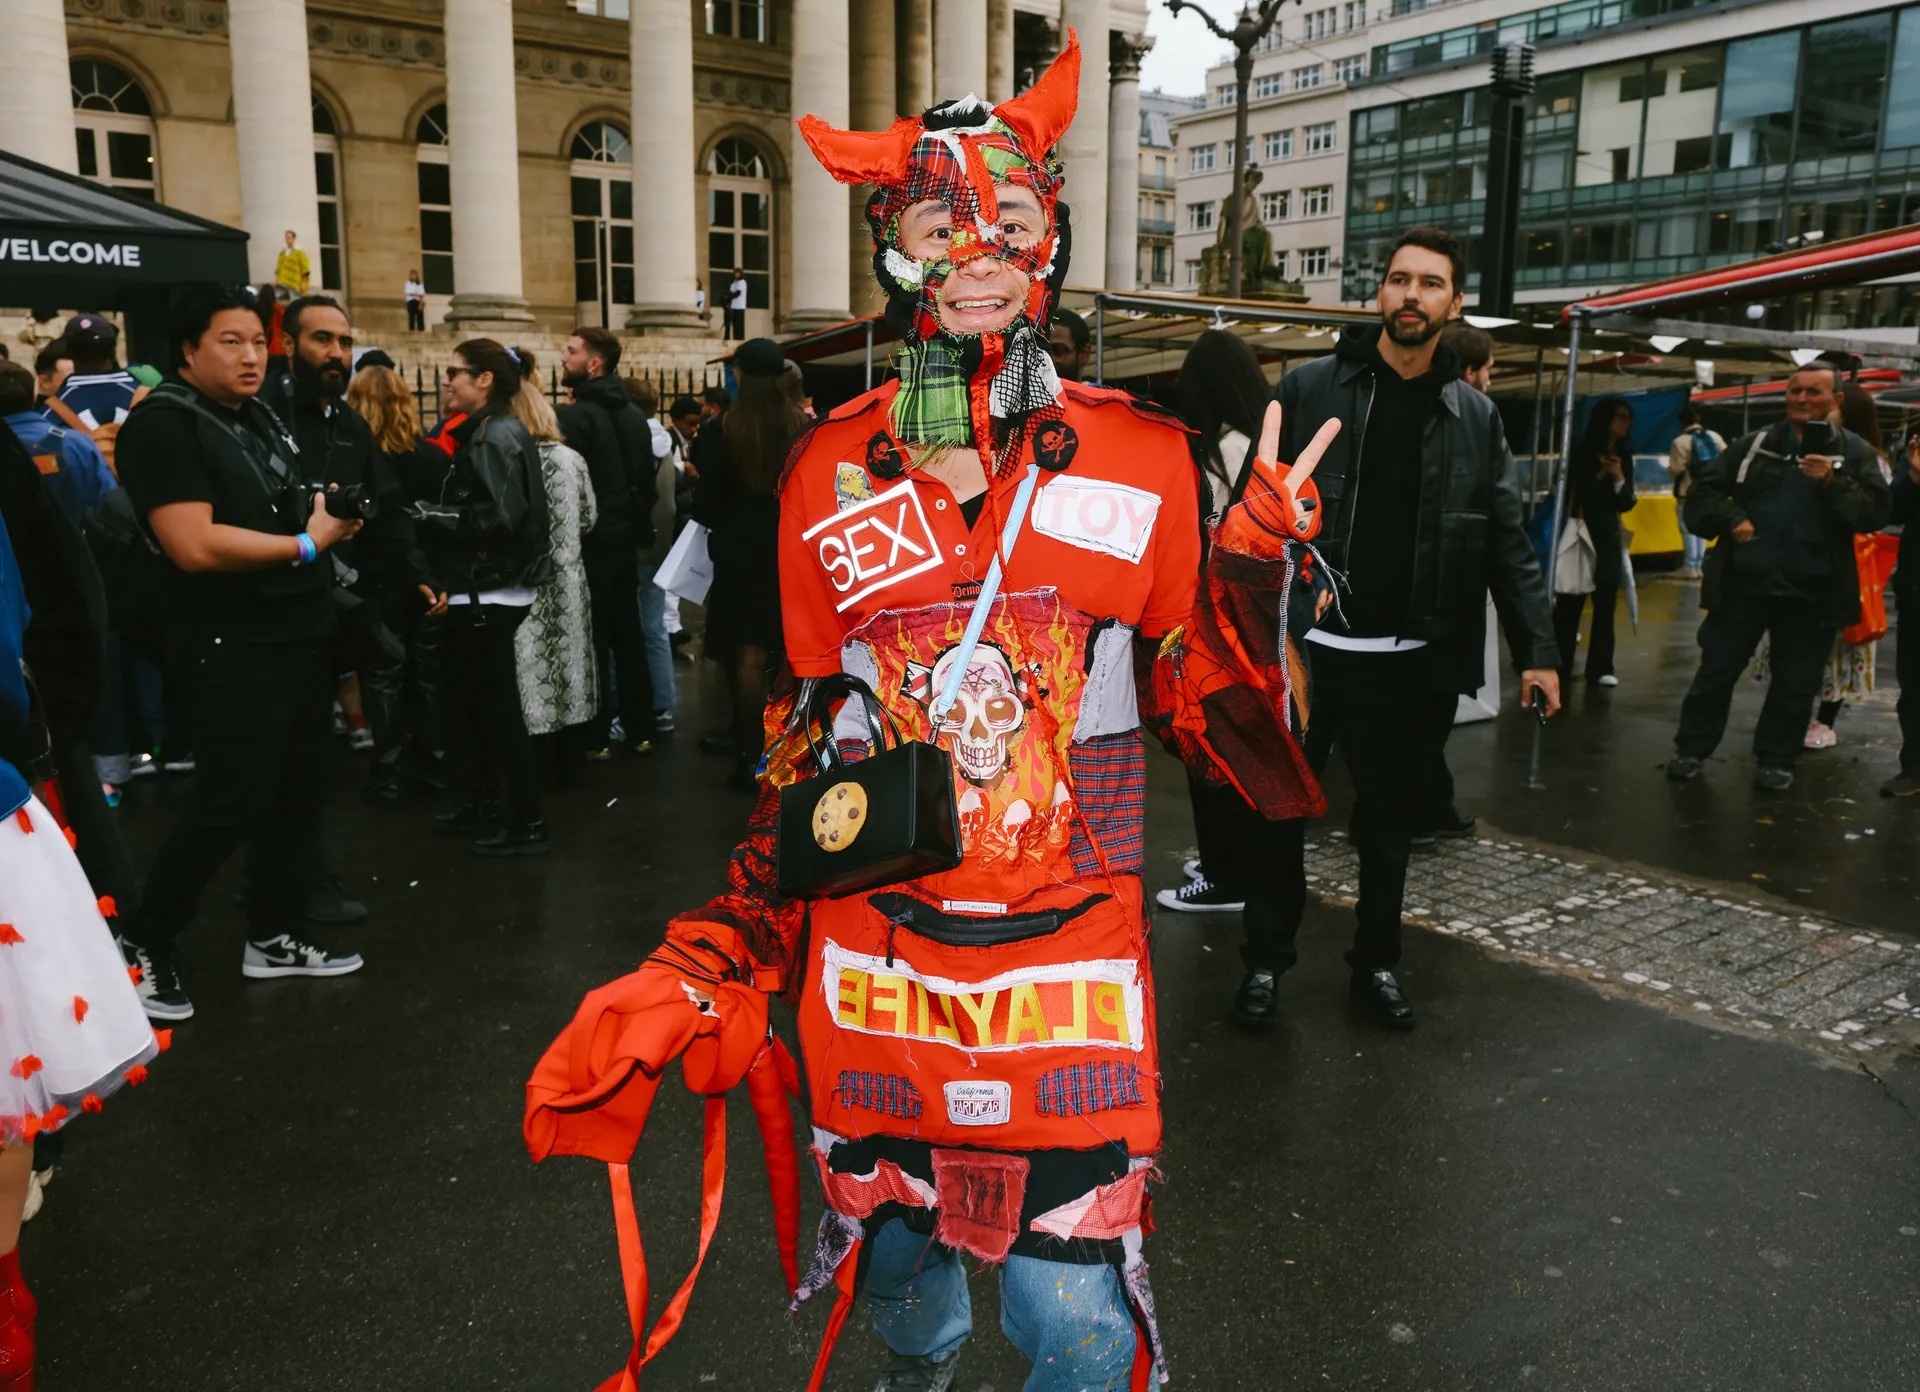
pixel 385 559
pixel 610 433
pixel 1906 594
pixel 1785 504
pixel 1423 518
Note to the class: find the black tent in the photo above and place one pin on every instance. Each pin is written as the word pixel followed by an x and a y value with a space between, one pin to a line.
pixel 68 243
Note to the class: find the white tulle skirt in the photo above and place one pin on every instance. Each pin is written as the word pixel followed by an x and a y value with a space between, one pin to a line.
pixel 71 1027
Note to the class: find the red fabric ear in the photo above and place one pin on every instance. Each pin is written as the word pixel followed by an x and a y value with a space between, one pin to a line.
pixel 863 157
pixel 1041 114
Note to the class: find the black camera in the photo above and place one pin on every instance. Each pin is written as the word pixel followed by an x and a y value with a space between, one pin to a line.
pixel 346 502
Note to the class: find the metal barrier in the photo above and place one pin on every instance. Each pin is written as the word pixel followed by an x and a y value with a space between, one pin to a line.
pixel 667 385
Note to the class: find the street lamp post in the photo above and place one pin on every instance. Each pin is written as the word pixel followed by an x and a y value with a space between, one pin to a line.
pixel 1247 32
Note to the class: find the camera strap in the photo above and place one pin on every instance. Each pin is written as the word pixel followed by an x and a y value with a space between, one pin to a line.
pixel 271 470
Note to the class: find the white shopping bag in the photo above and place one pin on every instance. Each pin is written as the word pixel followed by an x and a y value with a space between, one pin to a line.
pixel 688 570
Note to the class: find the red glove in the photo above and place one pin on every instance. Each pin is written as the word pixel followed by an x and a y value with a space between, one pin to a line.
pixel 1280 504
pixel 592 1090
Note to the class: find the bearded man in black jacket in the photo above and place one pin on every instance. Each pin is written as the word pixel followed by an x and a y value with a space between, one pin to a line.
pixel 611 434
pixel 1423 518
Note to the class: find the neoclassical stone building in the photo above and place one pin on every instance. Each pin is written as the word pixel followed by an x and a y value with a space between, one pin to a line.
pixel 546 162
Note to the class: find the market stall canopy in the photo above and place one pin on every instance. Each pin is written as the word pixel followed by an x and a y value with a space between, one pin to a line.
pixel 1848 262
pixel 68 242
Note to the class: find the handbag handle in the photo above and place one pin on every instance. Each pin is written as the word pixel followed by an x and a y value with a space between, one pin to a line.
pixel 989 589
pixel 819 717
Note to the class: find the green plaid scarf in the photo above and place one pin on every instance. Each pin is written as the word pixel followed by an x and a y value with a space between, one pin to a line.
pixel 932 406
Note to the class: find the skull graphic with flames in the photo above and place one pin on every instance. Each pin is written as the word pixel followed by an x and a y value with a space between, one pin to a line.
pixel 985 718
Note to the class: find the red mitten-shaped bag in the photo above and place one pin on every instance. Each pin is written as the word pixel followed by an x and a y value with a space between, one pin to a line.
pixel 1280 502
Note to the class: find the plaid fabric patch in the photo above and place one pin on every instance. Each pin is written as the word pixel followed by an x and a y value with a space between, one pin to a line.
pixel 888 1093
pixel 932 406
pixel 1080 1088
pixel 1110 790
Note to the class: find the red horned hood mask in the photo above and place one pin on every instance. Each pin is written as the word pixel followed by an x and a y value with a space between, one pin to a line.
pixel 955 388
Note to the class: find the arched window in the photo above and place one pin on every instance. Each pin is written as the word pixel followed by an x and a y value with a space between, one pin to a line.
pixel 602 192
pixel 740 228
pixel 436 202
pixel 113 127
pixel 326 183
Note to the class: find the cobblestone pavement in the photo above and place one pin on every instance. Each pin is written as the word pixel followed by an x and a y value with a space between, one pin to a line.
pixel 1761 967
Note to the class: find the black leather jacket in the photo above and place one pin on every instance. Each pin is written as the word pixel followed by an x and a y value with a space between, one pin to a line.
pixel 489 528
pixel 1471 537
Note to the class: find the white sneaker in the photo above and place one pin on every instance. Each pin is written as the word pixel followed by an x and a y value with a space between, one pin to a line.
pixel 286 955
pixel 361 738
pixel 1820 736
pixel 1609 680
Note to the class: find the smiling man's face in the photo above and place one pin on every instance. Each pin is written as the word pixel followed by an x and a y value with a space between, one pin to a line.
pixel 983 294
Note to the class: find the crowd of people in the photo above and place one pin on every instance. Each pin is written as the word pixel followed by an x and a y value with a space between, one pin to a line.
pixel 285 552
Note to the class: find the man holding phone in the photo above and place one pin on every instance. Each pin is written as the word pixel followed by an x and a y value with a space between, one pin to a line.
pixel 1785 504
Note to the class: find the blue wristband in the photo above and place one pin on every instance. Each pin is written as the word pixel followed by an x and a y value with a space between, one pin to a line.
pixel 309 553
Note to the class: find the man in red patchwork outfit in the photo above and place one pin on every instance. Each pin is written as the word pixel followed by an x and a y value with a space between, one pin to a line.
pixel 980 1042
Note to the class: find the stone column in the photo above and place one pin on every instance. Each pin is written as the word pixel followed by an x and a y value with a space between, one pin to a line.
pixel 959 49
pixel 818 295
pixel 667 217
pixel 483 159
pixel 36 100
pixel 873 76
pixel 1084 147
pixel 1000 74
pixel 1123 163
pixel 273 130
pixel 914 76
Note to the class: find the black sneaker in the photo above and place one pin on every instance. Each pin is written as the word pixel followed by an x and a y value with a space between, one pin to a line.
pixel 329 904
pixel 1683 768
pixel 1199 896
pixel 906 1373
pixel 1772 778
pixel 1423 843
pixel 1256 1003
pixel 161 994
pixel 286 955
pixel 1901 785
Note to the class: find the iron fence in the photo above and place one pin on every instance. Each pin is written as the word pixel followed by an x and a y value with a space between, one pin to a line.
pixel 667 385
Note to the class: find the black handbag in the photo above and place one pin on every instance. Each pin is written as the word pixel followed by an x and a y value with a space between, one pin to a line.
pixel 869 822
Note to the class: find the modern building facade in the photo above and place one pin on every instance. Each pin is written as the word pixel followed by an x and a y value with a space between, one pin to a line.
pixel 1296 134
pixel 548 162
pixel 1159 182
pixel 1663 136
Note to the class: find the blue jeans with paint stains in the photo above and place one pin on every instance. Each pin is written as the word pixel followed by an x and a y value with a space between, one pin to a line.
pixel 1071 1321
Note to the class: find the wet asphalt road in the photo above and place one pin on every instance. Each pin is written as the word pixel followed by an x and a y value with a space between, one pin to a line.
pixel 323 1187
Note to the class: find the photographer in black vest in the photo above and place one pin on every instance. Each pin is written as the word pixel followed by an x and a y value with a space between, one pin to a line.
pixel 215 478
pixel 611 434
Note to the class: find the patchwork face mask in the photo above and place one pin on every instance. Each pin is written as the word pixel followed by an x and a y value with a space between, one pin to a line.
pixel 963 154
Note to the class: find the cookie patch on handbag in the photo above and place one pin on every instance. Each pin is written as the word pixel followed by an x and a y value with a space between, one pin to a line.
pixel 840 816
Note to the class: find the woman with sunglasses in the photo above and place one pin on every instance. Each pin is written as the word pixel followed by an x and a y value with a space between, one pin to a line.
pixel 486 536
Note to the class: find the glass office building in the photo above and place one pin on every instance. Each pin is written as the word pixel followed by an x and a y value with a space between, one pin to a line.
pixel 1670 162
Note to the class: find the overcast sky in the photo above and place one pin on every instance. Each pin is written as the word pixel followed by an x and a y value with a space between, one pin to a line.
pixel 1184 48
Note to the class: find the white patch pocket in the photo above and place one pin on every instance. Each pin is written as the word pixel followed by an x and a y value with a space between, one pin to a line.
pixel 1097 516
